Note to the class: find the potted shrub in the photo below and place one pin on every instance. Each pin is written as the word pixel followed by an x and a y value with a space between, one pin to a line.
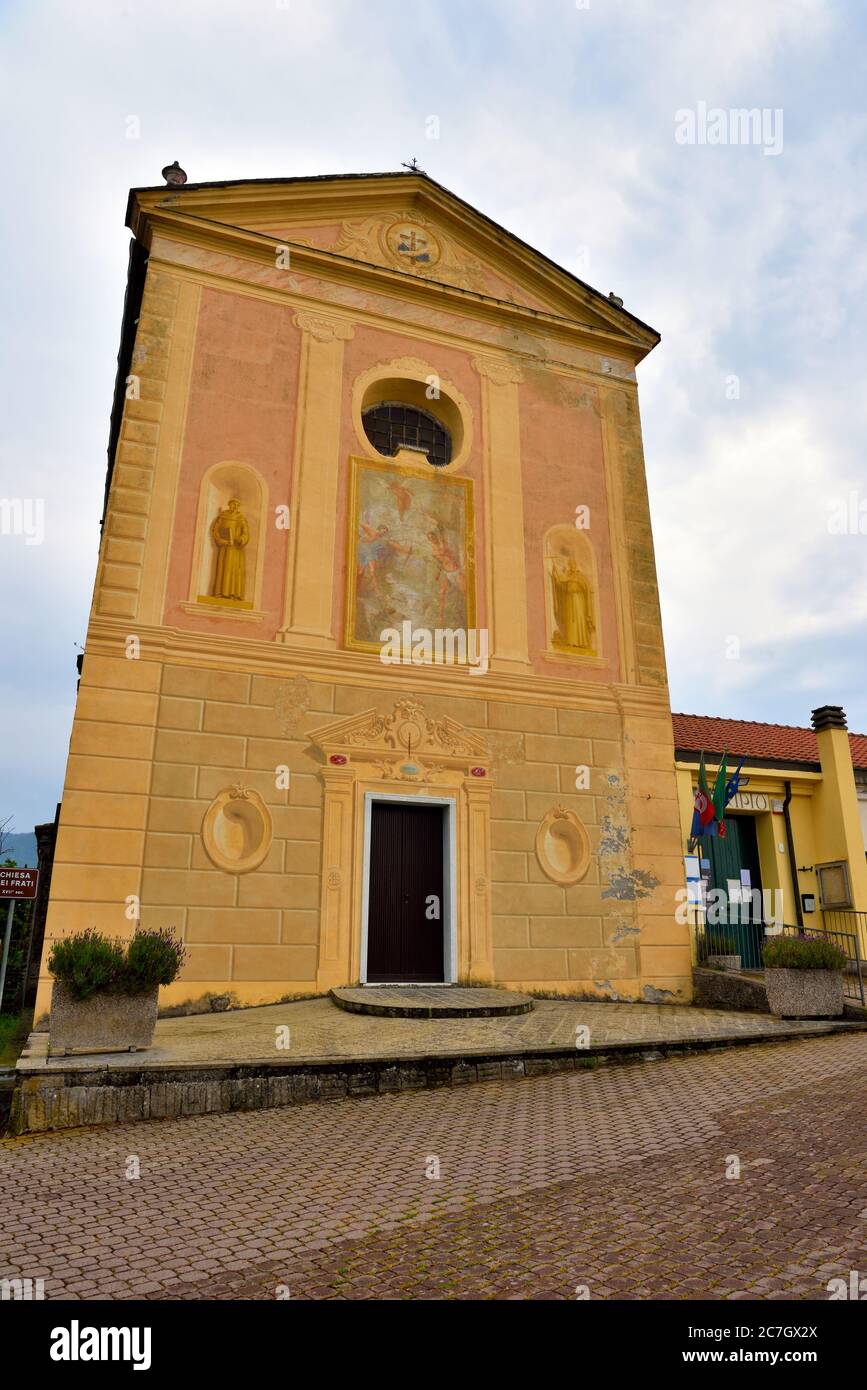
pixel 804 977
pixel 105 991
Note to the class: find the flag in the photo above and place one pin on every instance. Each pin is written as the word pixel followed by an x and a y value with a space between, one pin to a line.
pixel 734 782
pixel 702 777
pixel 719 791
pixel 702 806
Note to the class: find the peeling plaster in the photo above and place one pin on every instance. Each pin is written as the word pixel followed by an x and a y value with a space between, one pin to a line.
pixel 651 995
pixel 622 882
pixel 607 989
pixel 630 885
pixel 625 884
pixel 614 839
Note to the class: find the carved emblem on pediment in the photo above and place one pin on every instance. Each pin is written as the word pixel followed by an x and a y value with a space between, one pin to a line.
pixel 411 243
pixel 368 734
pixel 409 772
pixel 407 738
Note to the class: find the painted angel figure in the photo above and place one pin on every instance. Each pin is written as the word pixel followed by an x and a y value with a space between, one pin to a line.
pixel 375 549
pixel 451 572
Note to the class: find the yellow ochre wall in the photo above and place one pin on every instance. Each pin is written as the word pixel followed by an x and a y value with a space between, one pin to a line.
pixel 178 706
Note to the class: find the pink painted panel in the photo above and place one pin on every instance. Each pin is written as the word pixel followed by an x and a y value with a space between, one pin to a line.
pixel 243 390
pixel 563 468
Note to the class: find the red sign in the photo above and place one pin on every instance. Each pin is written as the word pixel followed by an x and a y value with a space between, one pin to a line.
pixel 18 883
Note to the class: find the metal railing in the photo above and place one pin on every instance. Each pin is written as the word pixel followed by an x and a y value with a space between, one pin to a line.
pixel 747 941
pixel 742 939
pixel 849 921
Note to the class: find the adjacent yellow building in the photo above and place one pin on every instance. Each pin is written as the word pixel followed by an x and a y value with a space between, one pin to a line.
pixel 794 829
pixel 374 686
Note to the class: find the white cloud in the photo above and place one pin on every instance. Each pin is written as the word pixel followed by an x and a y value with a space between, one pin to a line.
pixel 558 123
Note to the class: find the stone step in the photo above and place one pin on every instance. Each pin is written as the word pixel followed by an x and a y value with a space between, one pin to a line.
pixel 430 1001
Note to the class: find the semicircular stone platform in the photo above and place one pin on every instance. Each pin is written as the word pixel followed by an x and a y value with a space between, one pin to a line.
pixel 425 1001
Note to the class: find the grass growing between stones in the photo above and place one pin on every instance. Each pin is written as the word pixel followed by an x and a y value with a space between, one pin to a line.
pixel 14 1029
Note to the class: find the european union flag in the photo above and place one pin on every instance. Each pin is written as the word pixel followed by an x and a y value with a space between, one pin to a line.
pixel 734 781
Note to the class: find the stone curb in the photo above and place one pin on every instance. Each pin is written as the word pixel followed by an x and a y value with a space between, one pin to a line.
pixel 57 1097
pixel 509 1004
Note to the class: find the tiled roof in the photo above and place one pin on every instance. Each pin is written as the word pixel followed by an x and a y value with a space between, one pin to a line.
pixel 783 742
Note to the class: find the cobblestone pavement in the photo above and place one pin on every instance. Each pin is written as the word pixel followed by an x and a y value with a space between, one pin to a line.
pixel 612 1178
pixel 318 1029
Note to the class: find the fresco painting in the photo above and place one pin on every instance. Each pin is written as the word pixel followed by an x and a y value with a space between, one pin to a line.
pixel 411 552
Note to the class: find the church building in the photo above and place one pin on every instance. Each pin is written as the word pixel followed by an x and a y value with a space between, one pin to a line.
pixel 374 687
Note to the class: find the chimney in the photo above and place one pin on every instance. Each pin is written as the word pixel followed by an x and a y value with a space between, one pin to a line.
pixel 174 175
pixel 837 821
pixel 828 717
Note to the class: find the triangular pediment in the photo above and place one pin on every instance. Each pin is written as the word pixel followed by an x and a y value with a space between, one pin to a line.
pixel 400 222
pixel 408 731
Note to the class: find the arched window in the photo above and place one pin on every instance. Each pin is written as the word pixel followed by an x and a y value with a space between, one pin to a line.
pixel 391 424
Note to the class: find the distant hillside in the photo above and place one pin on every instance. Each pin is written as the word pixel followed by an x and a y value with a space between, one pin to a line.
pixel 21 848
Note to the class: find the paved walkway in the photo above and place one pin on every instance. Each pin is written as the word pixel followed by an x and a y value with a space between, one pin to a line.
pixel 612 1180
pixel 319 1030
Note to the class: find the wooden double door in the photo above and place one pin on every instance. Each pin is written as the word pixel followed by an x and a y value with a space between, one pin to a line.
pixel 406 911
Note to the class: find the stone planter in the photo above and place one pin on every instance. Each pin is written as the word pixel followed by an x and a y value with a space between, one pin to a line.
pixel 804 993
pixel 724 962
pixel 102 1023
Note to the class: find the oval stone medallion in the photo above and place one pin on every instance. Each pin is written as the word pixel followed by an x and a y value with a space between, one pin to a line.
pixel 237 830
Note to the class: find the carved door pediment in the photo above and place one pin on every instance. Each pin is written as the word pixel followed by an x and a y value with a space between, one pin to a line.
pixel 408 743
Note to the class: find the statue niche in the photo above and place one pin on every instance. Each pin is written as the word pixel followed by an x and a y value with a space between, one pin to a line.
pixel 229 556
pixel 230 534
pixel 570 597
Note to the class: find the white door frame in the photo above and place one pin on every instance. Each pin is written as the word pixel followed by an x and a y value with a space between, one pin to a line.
pixel 450 879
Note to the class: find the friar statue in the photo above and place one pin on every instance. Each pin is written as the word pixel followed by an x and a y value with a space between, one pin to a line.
pixel 572 606
pixel 230 533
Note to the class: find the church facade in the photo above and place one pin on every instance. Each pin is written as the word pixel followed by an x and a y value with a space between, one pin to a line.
pixel 374 685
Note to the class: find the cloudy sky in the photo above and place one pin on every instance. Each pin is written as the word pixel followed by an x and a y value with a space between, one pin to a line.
pixel 560 121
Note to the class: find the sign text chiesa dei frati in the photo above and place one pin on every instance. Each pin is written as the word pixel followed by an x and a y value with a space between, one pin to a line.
pixel 374 685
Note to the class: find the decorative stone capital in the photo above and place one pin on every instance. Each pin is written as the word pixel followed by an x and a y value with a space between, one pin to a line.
pixel 324 330
pixel 502 371
pixel 411 364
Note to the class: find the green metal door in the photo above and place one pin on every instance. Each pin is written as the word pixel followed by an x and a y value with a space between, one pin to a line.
pixel 739 924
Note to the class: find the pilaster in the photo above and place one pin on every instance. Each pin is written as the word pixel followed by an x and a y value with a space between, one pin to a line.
pixel 335 916
pixel 505 561
pixel 315 472
pixel 478 962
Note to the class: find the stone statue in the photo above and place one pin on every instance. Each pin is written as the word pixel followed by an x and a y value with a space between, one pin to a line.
pixel 573 614
pixel 230 533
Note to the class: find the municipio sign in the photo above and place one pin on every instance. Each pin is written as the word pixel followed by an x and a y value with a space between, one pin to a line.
pixel 18 883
